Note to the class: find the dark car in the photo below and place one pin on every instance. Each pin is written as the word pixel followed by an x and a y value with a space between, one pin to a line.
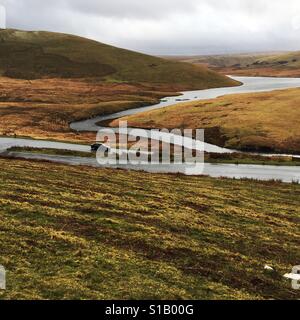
pixel 95 147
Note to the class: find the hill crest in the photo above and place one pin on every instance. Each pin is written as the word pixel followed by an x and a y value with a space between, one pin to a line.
pixel 42 54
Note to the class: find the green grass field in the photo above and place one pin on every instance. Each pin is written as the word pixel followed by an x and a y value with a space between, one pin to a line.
pixel 81 233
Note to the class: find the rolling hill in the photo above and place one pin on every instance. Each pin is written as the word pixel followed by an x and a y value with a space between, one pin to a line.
pixel 221 61
pixel 255 64
pixel 291 59
pixel 35 55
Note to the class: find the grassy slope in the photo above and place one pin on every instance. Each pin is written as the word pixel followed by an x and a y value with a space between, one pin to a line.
pixel 261 121
pixel 69 232
pixel 268 64
pixel 222 61
pixel 291 60
pixel 26 54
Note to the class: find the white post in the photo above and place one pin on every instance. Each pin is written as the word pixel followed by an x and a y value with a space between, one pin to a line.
pixel 2 278
pixel 295 277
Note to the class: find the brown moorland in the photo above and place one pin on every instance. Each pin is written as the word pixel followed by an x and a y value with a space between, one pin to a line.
pixel 267 121
pixel 44 108
pixel 68 78
pixel 271 64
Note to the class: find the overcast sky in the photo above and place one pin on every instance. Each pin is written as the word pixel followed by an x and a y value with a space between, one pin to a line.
pixel 167 26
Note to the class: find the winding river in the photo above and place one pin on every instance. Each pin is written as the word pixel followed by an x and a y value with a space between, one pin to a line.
pixel 250 84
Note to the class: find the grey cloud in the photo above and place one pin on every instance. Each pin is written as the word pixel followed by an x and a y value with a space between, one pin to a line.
pixel 138 9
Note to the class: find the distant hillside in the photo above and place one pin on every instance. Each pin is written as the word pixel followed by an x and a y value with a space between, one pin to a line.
pixel 268 64
pixel 32 55
pixel 291 60
pixel 220 61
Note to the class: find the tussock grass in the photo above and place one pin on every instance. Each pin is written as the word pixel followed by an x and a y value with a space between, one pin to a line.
pixel 267 122
pixel 81 233
pixel 45 108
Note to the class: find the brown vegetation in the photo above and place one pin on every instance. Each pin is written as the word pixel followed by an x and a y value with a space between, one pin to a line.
pixel 261 72
pixel 45 108
pixel 267 121
pixel 280 64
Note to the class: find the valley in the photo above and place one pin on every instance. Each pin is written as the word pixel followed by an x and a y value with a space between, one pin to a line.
pixel 70 229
